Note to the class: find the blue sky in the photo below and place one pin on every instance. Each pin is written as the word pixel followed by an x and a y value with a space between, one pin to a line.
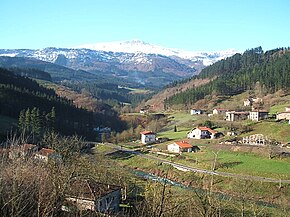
pixel 205 25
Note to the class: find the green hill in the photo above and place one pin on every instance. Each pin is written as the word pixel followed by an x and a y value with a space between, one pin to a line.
pixel 269 71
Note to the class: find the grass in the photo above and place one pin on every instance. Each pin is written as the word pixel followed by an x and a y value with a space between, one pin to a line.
pixel 278 108
pixel 279 131
pixel 180 134
pixel 238 162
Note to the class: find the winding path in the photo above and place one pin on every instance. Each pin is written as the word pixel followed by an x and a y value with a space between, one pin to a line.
pixel 197 170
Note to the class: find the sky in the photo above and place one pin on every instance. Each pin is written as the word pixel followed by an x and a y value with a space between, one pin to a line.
pixel 204 25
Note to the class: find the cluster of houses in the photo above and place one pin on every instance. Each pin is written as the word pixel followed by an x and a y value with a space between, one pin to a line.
pixel 149 137
pixel 254 115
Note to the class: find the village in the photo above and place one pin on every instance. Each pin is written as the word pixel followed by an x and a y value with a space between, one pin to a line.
pixel 252 114
pixel 194 140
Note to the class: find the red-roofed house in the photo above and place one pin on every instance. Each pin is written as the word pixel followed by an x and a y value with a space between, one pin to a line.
pixel 201 133
pixel 148 137
pixel 179 146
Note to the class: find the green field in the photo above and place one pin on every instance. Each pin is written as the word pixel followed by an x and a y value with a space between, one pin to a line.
pixel 180 134
pixel 278 108
pixel 239 162
pixel 279 131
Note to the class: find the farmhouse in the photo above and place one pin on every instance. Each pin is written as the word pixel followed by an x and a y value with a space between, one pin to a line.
pixel 195 111
pixel 181 146
pixel 284 115
pixel 236 116
pixel 202 133
pixel 148 137
pixel 94 196
pixel 258 115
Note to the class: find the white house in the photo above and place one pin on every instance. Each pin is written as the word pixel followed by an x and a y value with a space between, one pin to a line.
pixel 195 111
pixel 148 137
pixel 258 115
pixel 180 146
pixel 201 133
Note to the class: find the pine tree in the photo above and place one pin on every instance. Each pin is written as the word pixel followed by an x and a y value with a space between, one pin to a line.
pixel 21 120
pixel 27 121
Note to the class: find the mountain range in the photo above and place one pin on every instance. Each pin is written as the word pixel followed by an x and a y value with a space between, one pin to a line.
pixel 133 60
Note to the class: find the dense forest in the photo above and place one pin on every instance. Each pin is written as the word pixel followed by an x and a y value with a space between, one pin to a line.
pixel 17 94
pixel 239 73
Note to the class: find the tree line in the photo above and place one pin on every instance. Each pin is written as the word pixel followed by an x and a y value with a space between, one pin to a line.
pixel 18 94
pixel 239 73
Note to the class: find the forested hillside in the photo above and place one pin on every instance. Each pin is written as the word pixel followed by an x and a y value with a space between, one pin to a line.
pixel 239 73
pixel 21 94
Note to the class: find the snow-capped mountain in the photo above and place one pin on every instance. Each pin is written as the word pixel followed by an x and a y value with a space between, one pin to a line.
pixel 133 60
pixel 138 46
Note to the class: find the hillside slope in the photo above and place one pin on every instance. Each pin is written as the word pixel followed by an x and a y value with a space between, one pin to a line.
pixel 269 72
pixel 156 103
pixel 18 93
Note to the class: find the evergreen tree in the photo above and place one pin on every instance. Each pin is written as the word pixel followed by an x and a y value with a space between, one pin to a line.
pixel 21 120
pixel 27 124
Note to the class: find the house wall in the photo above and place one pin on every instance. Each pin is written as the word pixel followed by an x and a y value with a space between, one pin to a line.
pixel 284 115
pixel 186 150
pixel 194 134
pixel 82 204
pixel 173 148
pixel 110 202
pixel 149 138
pixel 195 112
pixel 215 112
pixel 256 116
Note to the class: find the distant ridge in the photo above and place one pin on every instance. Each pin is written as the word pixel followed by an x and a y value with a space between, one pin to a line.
pixel 139 46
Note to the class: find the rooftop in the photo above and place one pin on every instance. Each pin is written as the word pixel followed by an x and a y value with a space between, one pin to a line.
pixel 147 132
pixel 90 189
pixel 207 129
pixel 183 144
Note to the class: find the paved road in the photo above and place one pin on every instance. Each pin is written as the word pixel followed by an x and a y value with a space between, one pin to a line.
pixel 197 170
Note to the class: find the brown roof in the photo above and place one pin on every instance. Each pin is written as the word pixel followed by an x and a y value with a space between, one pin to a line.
pixel 207 129
pixel 45 152
pixel 238 113
pixel 264 111
pixel 90 189
pixel 147 132
pixel 183 144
